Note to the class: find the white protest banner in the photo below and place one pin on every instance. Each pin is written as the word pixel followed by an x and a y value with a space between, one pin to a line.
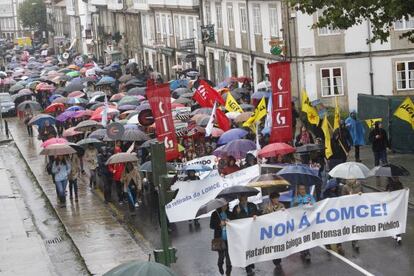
pixel 192 194
pixel 209 161
pixel 330 221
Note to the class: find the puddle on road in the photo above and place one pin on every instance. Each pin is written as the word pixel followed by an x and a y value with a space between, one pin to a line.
pixel 61 250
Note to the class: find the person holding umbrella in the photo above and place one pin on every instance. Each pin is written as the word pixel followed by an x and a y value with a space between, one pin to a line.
pixel 116 170
pixel 132 183
pixel 379 139
pixel 28 115
pixel 245 209
pixel 218 222
pixel 273 206
pixel 47 131
pixel 74 174
pixel 394 184
pixel 91 162
pixel 61 170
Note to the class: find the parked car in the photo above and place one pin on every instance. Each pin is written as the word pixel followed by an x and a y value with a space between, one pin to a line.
pixel 7 105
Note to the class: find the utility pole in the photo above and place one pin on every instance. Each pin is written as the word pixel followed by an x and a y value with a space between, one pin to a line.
pixel 166 255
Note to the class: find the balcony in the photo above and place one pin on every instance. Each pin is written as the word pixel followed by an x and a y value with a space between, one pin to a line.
pixel 174 3
pixel 99 2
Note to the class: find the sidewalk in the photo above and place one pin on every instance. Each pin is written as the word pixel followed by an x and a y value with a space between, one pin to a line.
pixel 101 240
pixel 22 251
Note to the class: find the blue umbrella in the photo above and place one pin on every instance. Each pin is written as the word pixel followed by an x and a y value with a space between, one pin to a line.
pixel 286 196
pixel 260 94
pixel 75 108
pixel 106 80
pixel 236 148
pixel 54 97
pixel 197 168
pixel 300 174
pixel 232 134
pixel 178 83
pixel 40 120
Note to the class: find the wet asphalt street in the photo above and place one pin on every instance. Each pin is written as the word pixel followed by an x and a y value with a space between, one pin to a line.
pixel 377 257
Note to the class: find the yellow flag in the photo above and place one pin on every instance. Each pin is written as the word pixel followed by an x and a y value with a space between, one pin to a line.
pixel 337 117
pixel 371 122
pixel 310 111
pixel 406 111
pixel 232 105
pixel 327 134
pixel 258 114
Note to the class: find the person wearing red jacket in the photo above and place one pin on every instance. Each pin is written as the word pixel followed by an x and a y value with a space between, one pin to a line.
pixel 116 170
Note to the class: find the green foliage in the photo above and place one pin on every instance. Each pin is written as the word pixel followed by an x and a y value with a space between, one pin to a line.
pixel 32 14
pixel 344 14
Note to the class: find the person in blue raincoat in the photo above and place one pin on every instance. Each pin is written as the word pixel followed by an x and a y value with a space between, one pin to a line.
pixel 357 131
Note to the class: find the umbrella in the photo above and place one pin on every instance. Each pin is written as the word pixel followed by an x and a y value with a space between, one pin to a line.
pixel 40 119
pixel 147 167
pixel 130 100
pixel 233 192
pixel 211 206
pixel 140 268
pixel 87 125
pixel 64 116
pixel 178 83
pixel 16 87
pixel 236 95
pixel 24 92
pixel 197 168
pixel 243 117
pixel 122 157
pixel 71 132
pixel 73 74
pixel 53 141
pixel 271 182
pixel 389 170
pixel 33 105
pixel 183 101
pixel 88 141
pixel 76 94
pixel 137 91
pixel 350 170
pixel 203 110
pixel 106 80
pixel 83 113
pixel 236 148
pixel 260 94
pixel 264 85
pixel 75 108
pixel 247 107
pixel 300 174
pixel 134 135
pixel 232 134
pixel 98 134
pixel 76 101
pixel 309 148
pixel 275 149
pixel 135 82
pixel 128 107
pixel 148 143
pixel 180 91
pixel 75 86
pixel 233 115
pixel 126 78
pixel 217 132
pixel 117 97
pixel 203 121
pixel 58 149
pixel 187 95
pixel 60 99
pixel 54 107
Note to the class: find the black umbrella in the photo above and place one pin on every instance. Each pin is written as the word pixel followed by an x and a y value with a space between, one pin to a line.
pixel 197 83
pixel 241 90
pixel 148 143
pixel 88 141
pixel 309 148
pixel 234 192
pixel 137 91
pixel 247 107
pixel 236 95
pixel 211 206
pixel 76 86
pixel 98 134
pixel 134 135
pixel 180 91
pixel 135 82
pixel 389 170
pixel 33 105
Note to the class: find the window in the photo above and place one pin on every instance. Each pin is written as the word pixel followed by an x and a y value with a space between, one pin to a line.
pixel 243 18
pixel 219 15
pixel 404 24
pixel 144 26
pixel 230 20
pixel 331 81
pixel 405 75
pixel 164 25
pixel 199 36
pixel 191 27
pixel 183 28
pixel 170 30
pixel 157 24
pixel 176 26
pixel 257 20
pixel 273 17
pixel 208 13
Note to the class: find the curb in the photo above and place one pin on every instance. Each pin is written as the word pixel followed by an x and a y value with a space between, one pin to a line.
pixel 52 207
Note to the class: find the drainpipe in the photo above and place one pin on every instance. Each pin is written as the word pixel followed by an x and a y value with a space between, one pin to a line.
pixel 371 69
pixel 204 44
pixel 248 39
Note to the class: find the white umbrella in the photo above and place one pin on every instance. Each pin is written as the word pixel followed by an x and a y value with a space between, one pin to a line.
pixel 232 115
pixel 264 85
pixel 350 170
pixel 133 120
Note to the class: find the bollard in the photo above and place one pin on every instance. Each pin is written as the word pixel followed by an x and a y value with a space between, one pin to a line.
pixel 6 126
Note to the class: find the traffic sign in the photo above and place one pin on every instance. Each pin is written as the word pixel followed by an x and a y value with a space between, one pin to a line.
pixel 115 131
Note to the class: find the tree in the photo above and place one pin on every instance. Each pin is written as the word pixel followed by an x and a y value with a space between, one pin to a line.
pixel 32 14
pixel 344 14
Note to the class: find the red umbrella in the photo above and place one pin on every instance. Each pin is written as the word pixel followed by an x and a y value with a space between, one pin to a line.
pixel 70 132
pixel 117 97
pixel 76 94
pixel 176 105
pixel 54 107
pixel 53 141
pixel 275 149
pixel 45 87
pixel 216 132
pixel 243 79
pixel 97 114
